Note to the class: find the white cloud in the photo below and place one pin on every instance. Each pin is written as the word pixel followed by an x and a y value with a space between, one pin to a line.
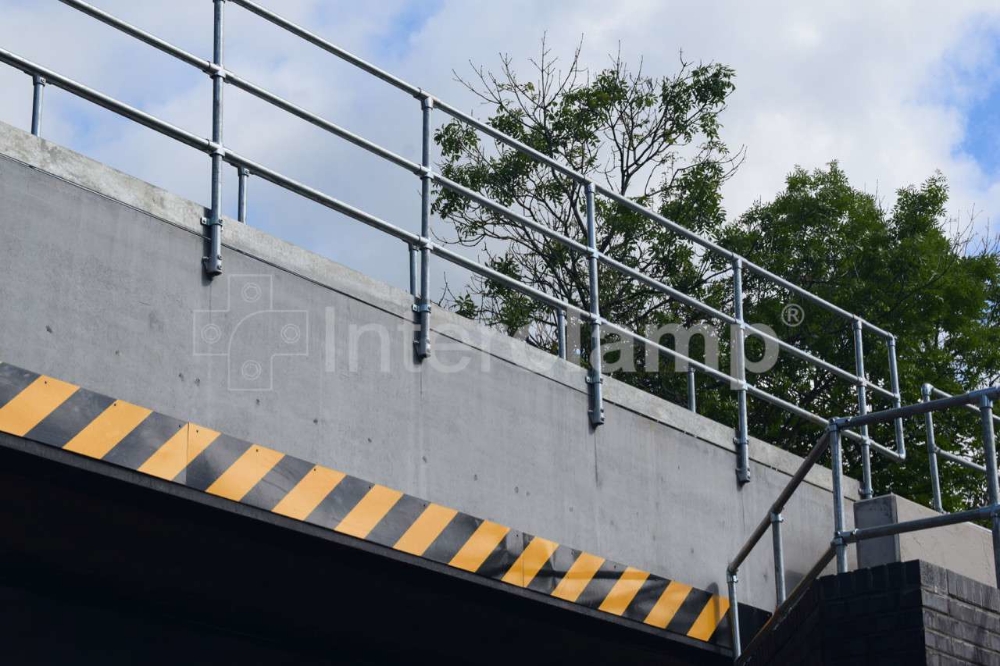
pixel 883 86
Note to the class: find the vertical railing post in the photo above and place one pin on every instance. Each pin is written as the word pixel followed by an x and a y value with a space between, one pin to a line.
pixel 37 98
pixel 779 558
pixel 594 379
pixel 742 437
pixel 561 332
pixel 213 262
pixel 732 578
pixel 897 399
pixel 411 250
pixel 992 487
pixel 837 473
pixel 692 389
pixel 241 210
pixel 862 388
pixel 423 306
pixel 932 451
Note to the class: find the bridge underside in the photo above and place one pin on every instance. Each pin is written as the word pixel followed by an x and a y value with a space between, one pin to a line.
pixel 102 564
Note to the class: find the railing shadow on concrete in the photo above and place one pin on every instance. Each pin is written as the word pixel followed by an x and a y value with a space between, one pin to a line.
pixel 421 246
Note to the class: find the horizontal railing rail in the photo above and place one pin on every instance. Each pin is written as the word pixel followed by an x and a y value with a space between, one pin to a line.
pixel 420 245
pixel 981 401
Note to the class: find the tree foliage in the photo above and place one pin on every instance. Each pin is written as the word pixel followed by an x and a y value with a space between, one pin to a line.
pixel 656 140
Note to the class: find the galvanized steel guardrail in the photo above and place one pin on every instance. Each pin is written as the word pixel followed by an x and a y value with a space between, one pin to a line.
pixel 979 401
pixel 420 245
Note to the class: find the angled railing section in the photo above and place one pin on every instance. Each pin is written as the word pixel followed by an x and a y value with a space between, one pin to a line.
pixel 979 401
pixel 420 245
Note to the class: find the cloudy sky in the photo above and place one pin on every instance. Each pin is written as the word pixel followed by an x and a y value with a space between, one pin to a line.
pixel 893 89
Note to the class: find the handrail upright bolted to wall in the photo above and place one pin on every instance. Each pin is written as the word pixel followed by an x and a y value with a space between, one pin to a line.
pixel 213 261
pixel 422 244
pixel 742 440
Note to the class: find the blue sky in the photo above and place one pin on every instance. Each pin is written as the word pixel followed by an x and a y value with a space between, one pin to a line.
pixel 893 91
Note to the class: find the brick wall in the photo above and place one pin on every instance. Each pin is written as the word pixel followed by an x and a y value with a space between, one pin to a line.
pixel 904 614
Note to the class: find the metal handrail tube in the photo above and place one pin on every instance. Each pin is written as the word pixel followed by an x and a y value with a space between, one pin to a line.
pixel 491 274
pixel 970 407
pixel 541 157
pixel 761 394
pixel 793 598
pixel 316 40
pixel 707 369
pixel 965 462
pixel 102 100
pixel 320 198
pixel 510 214
pixel 778 506
pixel 322 123
pixel 670 291
pixel 141 35
pixel 919 524
pixel 916 409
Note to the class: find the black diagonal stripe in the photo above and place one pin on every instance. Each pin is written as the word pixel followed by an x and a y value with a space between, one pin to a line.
pixel 277 483
pixel 499 562
pixel 203 471
pixel 689 611
pixel 13 380
pixel 69 418
pixel 650 592
pixel 144 441
pixel 722 636
pixel 600 585
pixel 451 540
pixel 399 519
pixel 551 573
pixel 335 506
pixel 752 620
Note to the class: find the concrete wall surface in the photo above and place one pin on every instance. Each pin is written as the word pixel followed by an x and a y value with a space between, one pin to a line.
pixel 101 285
pixel 966 548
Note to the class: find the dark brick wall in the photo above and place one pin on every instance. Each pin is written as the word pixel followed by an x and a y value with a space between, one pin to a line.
pixel 903 614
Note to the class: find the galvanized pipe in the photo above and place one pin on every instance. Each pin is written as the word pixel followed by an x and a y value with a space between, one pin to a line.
pixel 561 332
pixel 932 452
pixel 918 525
pixel 732 578
pixel 917 409
pixel 424 302
pixel 38 95
pixel 241 210
pixel 859 369
pixel 992 483
pixel 837 473
pixel 742 436
pixel 595 378
pixel 692 389
pixel 972 408
pixel 897 397
pixel 964 462
pixel 412 252
pixel 213 262
pixel 779 558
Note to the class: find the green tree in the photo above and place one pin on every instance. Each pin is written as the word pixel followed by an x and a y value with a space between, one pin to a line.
pixel 656 140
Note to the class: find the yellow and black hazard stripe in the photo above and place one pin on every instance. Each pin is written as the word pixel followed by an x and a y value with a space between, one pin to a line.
pixel 59 414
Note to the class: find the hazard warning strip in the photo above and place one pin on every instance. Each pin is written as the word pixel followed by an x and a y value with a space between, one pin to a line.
pixel 59 414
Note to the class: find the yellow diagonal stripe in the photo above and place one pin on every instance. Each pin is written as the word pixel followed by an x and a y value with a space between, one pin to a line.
pixel 479 546
pixel 668 604
pixel 111 427
pixel 425 529
pixel 530 562
pixel 171 458
pixel 579 575
pixel 369 511
pixel 624 591
pixel 33 404
pixel 245 473
pixel 303 499
pixel 709 619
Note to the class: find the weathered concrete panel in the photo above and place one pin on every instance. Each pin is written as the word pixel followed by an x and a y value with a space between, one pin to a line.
pixel 101 285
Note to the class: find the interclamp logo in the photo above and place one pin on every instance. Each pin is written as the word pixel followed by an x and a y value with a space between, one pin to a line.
pixel 250 332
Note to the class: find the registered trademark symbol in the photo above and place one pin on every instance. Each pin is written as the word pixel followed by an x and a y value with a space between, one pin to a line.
pixel 793 315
